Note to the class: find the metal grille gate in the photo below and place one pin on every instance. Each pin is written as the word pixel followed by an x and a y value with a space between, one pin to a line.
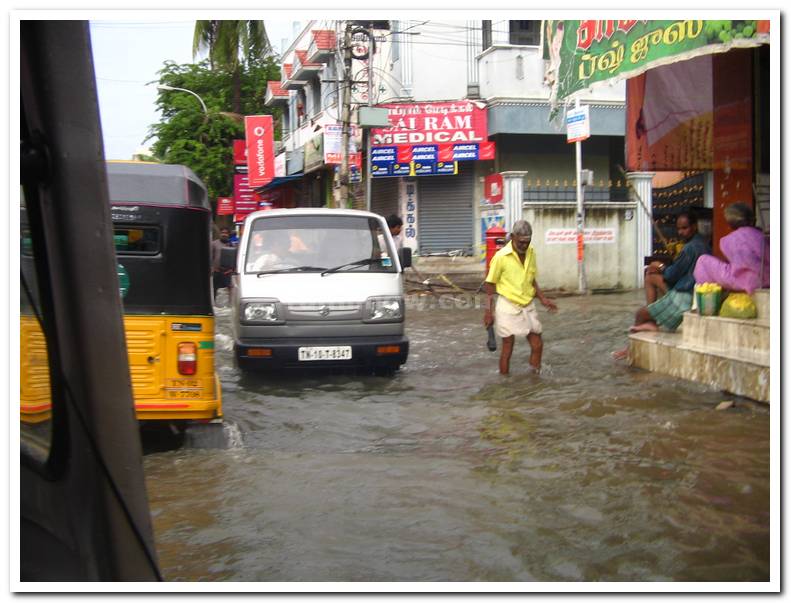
pixel 384 196
pixel 445 211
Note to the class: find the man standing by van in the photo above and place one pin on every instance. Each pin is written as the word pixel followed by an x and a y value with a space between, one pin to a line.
pixel 512 275
pixel 221 279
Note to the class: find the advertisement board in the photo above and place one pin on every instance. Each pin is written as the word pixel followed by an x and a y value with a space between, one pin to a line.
pixel 225 206
pixel 259 139
pixel 493 188
pixel 578 124
pixel 243 196
pixel 579 54
pixel 333 145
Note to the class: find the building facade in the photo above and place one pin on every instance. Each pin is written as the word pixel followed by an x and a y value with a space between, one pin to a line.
pixel 446 75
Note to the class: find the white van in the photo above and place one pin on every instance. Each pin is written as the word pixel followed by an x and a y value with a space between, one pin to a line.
pixel 318 288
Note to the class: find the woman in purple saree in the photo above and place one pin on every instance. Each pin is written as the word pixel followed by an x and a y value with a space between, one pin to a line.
pixel 747 252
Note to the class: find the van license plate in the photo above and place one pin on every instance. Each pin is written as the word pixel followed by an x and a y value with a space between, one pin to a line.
pixel 333 352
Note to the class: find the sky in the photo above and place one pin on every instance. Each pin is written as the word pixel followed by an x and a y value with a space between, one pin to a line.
pixel 127 56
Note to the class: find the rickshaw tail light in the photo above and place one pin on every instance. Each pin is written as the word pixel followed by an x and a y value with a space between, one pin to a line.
pixel 187 358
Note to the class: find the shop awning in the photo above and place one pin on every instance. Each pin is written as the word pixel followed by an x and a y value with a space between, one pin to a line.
pixel 278 181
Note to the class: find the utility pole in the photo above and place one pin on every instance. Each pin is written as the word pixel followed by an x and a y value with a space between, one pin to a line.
pixel 583 285
pixel 346 93
pixel 370 104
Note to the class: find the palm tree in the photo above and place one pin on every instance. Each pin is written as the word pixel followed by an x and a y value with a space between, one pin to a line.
pixel 226 42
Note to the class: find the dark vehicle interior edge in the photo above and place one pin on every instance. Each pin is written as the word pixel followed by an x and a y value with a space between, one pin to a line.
pixel 84 512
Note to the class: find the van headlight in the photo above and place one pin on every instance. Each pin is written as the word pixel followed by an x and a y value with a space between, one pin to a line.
pixel 261 311
pixel 384 309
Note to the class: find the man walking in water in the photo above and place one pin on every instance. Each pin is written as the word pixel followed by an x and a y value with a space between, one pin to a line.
pixel 512 275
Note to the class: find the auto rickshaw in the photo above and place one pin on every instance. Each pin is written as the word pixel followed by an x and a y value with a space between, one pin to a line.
pixel 161 220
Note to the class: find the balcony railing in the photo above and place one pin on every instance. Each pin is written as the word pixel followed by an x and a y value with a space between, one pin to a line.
pixel 553 191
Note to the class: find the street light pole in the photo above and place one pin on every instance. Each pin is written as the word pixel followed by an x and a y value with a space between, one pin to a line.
pixel 202 104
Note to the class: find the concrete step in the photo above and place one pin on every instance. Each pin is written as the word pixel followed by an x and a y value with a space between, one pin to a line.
pixel 733 336
pixel 445 265
pixel 666 353
pixel 761 299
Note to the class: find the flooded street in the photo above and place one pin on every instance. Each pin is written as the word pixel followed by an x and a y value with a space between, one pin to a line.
pixel 448 471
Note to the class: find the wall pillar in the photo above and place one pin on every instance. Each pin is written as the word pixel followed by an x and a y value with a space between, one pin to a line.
pixel 513 196
pixel 640 191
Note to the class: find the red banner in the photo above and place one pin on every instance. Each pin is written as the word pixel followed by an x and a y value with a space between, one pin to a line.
pixel 432 123
pixel 245 200
pixel 486 151
pixel 225 206
pixel 493 188
pixel 259 137
pixel 239 152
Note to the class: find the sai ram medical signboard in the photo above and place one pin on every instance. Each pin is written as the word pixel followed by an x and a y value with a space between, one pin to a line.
pixel 429 139
pixel 259 140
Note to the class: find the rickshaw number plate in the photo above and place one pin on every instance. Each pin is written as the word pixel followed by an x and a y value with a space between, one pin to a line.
pixel 333 352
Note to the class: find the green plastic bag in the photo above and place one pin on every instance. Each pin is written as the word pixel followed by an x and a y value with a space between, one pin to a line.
pixel 738 305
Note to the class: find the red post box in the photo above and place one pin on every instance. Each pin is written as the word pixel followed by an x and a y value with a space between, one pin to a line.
pixel 495 239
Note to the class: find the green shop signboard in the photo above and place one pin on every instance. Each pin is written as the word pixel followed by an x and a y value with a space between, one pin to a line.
pixel 584 53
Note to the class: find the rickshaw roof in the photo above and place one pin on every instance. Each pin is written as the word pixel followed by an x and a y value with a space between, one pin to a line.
pixel 155 184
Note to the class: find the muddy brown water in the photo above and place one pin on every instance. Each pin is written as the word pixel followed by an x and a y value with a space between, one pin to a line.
pixel 591 471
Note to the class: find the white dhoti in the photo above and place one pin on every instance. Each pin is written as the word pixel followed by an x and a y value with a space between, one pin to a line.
pixel 513 319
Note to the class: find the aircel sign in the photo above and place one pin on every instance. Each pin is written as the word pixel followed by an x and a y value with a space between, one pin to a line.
pixel 259 140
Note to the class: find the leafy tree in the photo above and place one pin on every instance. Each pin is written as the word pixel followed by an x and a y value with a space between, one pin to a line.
pixel 231 46
pixel 204 141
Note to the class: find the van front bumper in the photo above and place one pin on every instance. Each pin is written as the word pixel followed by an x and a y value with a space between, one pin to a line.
pixel 383 351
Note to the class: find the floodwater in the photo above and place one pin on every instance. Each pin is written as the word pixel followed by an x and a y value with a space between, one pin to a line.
pixel 590 471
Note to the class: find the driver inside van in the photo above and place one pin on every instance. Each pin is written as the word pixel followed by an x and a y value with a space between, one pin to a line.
pixel 270 250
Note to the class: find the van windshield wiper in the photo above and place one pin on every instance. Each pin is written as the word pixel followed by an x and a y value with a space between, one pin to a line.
pixel 291 269
pixel 362 262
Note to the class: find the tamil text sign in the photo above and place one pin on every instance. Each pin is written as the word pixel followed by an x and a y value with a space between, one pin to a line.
pixel 559 236
pixel 583 53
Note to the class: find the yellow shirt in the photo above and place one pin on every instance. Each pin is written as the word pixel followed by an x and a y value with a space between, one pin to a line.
pixel 513 279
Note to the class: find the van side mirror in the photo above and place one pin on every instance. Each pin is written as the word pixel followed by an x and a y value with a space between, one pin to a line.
pixel 228 258
pixel 405 257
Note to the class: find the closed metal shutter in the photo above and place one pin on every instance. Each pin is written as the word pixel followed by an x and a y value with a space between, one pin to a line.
pixel 384 196
pixel 445 216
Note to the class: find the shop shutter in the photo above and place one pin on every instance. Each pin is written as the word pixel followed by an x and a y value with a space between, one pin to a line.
pixel 445 211
pixel 384 196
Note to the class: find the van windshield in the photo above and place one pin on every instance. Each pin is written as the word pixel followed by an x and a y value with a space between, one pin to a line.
pixel 318 243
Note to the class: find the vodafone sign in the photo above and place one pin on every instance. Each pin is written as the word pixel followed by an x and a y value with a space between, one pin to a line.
pixel 259 140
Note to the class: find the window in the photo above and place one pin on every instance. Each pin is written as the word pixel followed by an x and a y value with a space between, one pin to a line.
pixel 302 108
pixel 524 33
pixel 315 243
pixel 35 387
pixel 316 90
pixel 486 34
pixel 136 240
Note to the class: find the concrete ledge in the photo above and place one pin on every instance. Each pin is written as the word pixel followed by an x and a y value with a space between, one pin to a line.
pixel 728 335
pixel 761 299
pixel 665 353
